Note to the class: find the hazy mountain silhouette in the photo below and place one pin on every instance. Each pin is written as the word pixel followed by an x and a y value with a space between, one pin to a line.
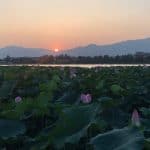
pixel 121 48
pixel 15 51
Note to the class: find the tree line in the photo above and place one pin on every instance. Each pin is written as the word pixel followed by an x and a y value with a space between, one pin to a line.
pixel 65 59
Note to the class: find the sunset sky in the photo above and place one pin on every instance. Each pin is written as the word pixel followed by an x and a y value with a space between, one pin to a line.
pixel 65 24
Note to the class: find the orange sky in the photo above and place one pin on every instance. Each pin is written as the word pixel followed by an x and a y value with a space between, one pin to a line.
pixel 65 24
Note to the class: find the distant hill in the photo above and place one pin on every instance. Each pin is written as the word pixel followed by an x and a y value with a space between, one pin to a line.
pixel 15 51
pixel 121 48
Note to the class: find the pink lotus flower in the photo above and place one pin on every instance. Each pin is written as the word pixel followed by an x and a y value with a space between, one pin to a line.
pixel 18 99
pixel 86 98
pixel 135 118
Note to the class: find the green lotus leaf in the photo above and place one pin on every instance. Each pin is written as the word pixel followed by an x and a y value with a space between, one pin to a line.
pixel 6 89
pixel 11 128
pixel 72 124
pixel 147 144
pixel 145 112
pixel 119 139
pixel 116 89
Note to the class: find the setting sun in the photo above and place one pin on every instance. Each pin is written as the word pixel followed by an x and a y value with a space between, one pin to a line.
pixel 56 49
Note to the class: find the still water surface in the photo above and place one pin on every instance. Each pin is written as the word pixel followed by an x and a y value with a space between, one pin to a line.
pixel 79 65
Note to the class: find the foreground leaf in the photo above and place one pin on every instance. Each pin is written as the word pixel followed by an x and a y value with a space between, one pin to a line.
pixel 6 89
pixel 72 125
pixel 119 139
pixel 11 128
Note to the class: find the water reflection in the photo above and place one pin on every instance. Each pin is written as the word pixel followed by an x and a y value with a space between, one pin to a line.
pixel 80 65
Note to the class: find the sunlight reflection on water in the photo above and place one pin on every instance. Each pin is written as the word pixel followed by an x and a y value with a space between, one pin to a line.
pixel 78 65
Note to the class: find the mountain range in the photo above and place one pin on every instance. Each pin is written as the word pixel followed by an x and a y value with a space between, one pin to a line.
pixel 17 51
pixel 120 48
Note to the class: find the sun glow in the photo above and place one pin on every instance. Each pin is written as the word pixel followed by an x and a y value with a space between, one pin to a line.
pixel 56 50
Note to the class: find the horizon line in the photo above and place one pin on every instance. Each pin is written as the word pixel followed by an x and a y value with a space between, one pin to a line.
pixel 107 44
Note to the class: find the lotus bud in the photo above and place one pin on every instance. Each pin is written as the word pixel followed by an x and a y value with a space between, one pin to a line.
pixel 86 98
pixel 18 99
pixel 135 118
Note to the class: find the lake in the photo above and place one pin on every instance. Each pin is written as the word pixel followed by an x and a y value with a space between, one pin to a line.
pixel 78 65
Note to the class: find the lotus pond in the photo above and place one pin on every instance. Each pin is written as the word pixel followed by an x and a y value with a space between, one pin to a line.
pixel 74 108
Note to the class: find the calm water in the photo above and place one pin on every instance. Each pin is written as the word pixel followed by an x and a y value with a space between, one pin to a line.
pixel 79 65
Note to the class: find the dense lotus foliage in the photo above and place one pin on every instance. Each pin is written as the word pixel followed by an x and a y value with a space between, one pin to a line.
pixel 74 109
